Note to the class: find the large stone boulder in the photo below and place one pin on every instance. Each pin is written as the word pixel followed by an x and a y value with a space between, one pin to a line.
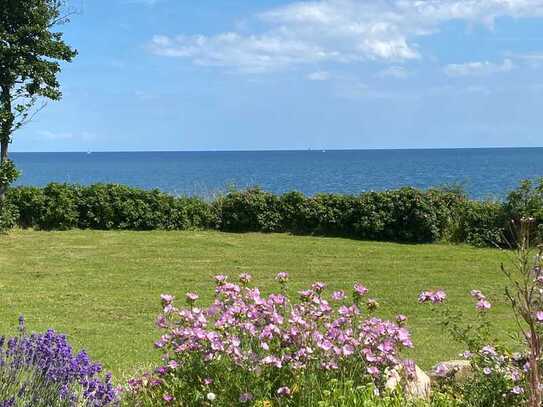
pixel 419 387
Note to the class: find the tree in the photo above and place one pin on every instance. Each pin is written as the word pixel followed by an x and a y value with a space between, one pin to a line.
pixel 30 55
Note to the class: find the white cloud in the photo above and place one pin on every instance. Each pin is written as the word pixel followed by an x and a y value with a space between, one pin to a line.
pixel 479 68
pixel 318 76
pixel 54 136
pixel 398 72
pixel 340 31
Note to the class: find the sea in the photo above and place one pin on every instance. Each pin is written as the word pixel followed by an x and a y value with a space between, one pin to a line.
pixel 486 173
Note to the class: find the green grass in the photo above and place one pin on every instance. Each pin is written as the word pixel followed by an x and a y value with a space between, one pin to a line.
pixel 102 288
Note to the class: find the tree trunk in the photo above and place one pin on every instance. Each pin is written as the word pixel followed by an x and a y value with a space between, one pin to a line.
pixel 5 130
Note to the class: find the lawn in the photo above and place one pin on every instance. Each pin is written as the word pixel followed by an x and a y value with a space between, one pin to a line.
pixel 103 288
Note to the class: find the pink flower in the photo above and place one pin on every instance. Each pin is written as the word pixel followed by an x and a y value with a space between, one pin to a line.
pixel 487 371
pixel 166 299
pixel 172 364
pixel 435 297
pixel 192 297
pixel 441 370
pixel 283 391
pixel 488 351
pixel 517 390
pixel 360 290
pixel 478 295
pixel 338 295
pixel 168 398
pixel 245 278
pixel 401 319
pixel 438 297
pixel 282 277
pixel 425 296
pixel 220 279
pixel 373 371
pixel 318 286
pixel 245 397
pixel 483 305
pixel 410 369
pixel 539 316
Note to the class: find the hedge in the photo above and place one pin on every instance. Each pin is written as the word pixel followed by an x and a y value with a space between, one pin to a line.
pixel 402 215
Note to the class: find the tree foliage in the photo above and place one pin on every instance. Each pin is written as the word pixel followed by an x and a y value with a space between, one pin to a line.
pixel 31 51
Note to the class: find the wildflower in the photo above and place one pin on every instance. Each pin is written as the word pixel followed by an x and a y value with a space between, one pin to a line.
pixel 425 296
pixel 517 390
pixel 283 391
pixel 318 287
pixel 373 371
pixel 467 354
pixel 245 397
pixel 539 316
pixel 245 278
pixel 172 364
pixel 410 369
pixel 211 396
pixel 338 295
pixel 441 370
pixel 166 299
pixel 401 319
pixel 220 279
pixel 192 297
pixel 359 290
pixel 483 305
pixel 282 277
pixel 438 297
pixel 168 398
pixel 478 295
pixel 488 351
pixel 487 371
pixel 208 381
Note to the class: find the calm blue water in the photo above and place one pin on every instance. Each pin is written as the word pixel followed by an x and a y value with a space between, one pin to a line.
pixel 482 172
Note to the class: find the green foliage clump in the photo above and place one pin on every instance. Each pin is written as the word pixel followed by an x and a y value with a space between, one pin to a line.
pixel 526 201
pixel 8 216
pixel 404 215
pixel 479 223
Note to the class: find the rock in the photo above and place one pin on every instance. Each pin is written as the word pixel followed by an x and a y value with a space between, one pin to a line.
pixel 419 387
pixel 459 370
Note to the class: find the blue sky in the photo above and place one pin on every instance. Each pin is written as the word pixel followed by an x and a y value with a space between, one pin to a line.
pixel 278 74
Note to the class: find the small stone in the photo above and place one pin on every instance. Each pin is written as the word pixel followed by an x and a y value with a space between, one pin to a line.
pixel 417 388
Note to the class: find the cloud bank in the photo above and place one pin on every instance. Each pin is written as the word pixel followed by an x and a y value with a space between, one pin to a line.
pixel 338 31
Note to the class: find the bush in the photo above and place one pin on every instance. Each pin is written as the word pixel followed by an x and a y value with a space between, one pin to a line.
pixel 248 348
pixel 8 216
pixel 479 224
pixel 403 215
pixel 252 210
pixel 526 201
pixel 60 207
pixel 30 202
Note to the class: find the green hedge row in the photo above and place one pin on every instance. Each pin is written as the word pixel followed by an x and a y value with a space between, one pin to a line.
pixel 403 215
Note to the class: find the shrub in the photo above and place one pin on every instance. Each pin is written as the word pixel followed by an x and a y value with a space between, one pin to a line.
pixel 30 202
pixel 479 224
pixel 8 216
pixel 60 207
pixel 246 348
pixel 252 210
pixel 526 201
pixel 41 370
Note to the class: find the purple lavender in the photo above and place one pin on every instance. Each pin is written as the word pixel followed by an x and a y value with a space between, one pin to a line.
pixel 41 369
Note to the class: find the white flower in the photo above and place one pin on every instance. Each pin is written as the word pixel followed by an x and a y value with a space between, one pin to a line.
pixel 211 396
